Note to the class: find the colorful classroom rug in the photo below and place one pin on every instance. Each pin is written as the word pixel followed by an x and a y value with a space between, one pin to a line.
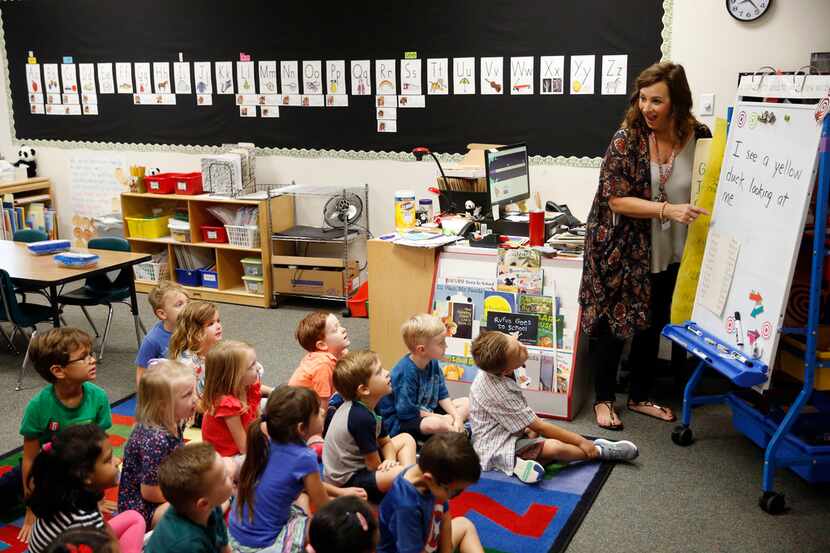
pixel 511 517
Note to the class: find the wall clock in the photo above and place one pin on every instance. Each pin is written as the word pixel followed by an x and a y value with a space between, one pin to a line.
pixel 747 10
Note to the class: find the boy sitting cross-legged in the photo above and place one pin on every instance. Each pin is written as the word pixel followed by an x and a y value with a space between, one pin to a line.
pixel 167 300
pixel 507 434
pixel 358 452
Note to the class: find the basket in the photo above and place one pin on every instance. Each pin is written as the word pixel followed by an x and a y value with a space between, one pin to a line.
pixel 210 279
pixel 160 184
pixel 214 235
pixel 252 266
pixel 187 277
pixel 254 285
pixel 246 236
pixel 150 271
pixel 187 183
pixel 148 227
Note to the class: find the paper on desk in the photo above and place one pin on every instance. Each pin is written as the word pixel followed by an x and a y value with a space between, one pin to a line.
pixel 432 243
pixel 717 271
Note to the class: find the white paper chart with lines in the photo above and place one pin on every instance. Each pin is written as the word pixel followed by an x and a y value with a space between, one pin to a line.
pixel 763 195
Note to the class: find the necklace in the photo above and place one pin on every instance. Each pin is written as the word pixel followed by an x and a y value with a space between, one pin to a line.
pixel 664 170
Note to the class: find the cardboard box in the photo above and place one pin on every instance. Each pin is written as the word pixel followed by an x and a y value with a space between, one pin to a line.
pixel 468 175
pixel 317 281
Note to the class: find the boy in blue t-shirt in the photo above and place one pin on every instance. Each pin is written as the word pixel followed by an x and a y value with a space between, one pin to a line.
pixel 414 515
pixel 422 404
pixel 167 300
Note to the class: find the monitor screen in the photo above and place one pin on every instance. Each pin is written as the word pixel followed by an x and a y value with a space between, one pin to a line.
pixel 507 174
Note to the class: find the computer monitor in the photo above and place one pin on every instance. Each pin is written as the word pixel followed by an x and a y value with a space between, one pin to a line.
pixel 506 170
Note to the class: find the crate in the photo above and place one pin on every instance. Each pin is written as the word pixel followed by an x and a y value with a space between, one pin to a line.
pixel 246 236
pixel 150 271
pixel 252 266
pixel 213 234
pixel 160 184
pixel 187 277
pixel 210 279
pixel 254 285
pixel 148 227
pixel 186 183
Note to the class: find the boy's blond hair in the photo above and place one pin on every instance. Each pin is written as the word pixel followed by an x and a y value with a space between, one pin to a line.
pixel 224 372
pixel 190 331
pixel 354 370
pixel 183 475
pixel 156 396
pixel 491 351
pixel 54 346
pixel 420 328
pixel 160 291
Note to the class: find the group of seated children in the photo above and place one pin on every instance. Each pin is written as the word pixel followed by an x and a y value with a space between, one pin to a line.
pixel 340 407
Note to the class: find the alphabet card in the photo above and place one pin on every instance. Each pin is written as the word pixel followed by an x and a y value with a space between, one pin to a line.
pixel 521 75
pixel 551 74
pixel 411 77
pixel 290 77
pixel 34 82
pixel 267 78
pixel 614 73
pixel 361 82
pixel 161 77
pixel 224 77
pixel 87 75
pixel 463 76
pixel 385 78
pixel 181 77
pixel 492 75
pixel 245 78
pixel 142 78
pixel 203 78
pixel 50 75
pixel 582 74
pixel 438 76
pixel 335 77
pixel 312 77
pixel 123 77
pixel 106 81
pixel 69 78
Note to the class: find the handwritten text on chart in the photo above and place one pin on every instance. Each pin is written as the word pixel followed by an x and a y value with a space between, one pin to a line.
pixel 776 171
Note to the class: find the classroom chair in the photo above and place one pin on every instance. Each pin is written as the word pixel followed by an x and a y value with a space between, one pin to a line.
pixel 28 236
pixel 100 290
pixel 21 315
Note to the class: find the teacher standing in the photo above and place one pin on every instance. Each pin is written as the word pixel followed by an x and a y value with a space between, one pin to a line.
pixel 635 235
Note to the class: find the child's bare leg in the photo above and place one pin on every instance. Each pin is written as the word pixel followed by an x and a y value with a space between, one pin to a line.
pixel 404 449
pixel 436 424
pixel 462 407
pixel 554 450
pixel 465 537
pixel 385 478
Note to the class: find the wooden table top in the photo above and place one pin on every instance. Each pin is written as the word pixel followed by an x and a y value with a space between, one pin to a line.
pixel 22 265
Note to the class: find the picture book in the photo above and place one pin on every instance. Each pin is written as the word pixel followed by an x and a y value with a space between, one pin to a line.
pixel 500 302
pixel 519 270
pixel 525 327
pixel 461 320
pixel 542 306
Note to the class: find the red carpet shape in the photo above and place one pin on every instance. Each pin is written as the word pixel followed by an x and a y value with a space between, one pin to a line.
pixel 532 524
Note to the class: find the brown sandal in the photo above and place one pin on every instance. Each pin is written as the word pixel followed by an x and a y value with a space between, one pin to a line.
pixel 632 406
pixel 611 414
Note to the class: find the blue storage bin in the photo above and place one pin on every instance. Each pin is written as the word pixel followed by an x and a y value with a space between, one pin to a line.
pixel 210 279
pixel 187 277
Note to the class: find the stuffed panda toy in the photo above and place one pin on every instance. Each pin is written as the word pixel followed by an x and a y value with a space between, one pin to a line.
pixel 27 157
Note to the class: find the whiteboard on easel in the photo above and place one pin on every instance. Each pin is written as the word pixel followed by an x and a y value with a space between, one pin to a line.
pixel 763 195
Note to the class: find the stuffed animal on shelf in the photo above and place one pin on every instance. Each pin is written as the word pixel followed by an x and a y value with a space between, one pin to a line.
pixel 27 157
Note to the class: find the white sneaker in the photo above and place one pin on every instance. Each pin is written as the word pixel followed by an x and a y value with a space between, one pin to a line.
pixel 622 450
pixel 528 471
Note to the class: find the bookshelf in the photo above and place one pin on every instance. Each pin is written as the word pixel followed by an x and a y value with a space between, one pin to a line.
pixel 27 192
pixel 227 257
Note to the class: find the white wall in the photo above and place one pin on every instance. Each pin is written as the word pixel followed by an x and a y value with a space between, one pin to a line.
pixel 705 39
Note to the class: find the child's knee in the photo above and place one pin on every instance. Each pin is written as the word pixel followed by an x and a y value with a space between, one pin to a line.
pixel 404 440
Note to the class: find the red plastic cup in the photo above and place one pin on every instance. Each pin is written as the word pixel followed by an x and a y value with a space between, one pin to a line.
pixel 537 228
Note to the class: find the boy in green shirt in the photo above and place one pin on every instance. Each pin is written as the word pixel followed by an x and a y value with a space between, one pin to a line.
pixel 196 482
pixel 63 357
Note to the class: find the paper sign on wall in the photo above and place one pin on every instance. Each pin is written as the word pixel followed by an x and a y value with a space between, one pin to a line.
pixel 312 77
pixel 614 74
pixel 267 77
pixel 50 76
pixel 552 74
pixel 463 76
pixel 161 77
pixel 69 78
pixel 411 77
pixel 86 72
pixel 521 75
pixel 290 77
pixel 143 83
pixel 385 77
pixel 245 77
pixel 224 77
pixel 203 77
pixel 106 80
pixel 33 80
pixel 124 78
pixel 582 74
pixel 181 77
pixel 438 77
pixel 361 82
pixel 336 77
pixel 492 75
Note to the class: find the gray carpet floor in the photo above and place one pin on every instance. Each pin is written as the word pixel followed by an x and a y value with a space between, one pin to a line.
pixel 697 499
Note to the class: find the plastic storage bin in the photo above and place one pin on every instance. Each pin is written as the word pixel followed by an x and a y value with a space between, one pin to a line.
pixel 210 279
pixel 179 230
pixel 160 184
pixel 152 272
pixel 254 285
pixel 187 277
pixel 186 183
pixel 243 236
pixel 252 266
pixel 214 235
pixel 148 227
pixel 359 303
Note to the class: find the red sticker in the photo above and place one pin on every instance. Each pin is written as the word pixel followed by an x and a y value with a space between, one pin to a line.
pixel 730 325
pixel 766 330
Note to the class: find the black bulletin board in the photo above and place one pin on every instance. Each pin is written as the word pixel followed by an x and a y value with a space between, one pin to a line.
pixel 214 30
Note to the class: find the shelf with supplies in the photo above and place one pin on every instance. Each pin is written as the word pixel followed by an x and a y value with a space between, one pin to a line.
pixel 324 255
pixel 213 260
pixel 28 203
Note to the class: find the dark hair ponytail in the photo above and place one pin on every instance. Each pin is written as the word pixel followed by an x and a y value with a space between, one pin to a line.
pixel 343 524
pixel 73 540
pixel 287 407
pixel 58 474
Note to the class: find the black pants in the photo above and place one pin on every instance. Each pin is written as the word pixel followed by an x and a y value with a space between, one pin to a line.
pixel 604 348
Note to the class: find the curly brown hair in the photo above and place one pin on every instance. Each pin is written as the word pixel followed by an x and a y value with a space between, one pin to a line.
pixel 680 96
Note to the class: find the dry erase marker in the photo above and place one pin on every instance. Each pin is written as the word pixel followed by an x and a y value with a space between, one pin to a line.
pixel 739 330
pixel 694 331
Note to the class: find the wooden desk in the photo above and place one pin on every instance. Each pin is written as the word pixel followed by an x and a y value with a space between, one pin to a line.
pixel 43 272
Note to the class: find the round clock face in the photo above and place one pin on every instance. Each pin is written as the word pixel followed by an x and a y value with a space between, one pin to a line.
pixel 747 10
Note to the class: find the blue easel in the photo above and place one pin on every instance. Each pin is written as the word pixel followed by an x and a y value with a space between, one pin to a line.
pixel 782 447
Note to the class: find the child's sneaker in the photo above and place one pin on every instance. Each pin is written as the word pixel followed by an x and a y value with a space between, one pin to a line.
pixel 622 450
pixel 528 471
pixel 468 430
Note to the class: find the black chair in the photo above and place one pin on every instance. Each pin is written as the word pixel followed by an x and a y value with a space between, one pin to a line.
pixel 27 236
pixel 100 290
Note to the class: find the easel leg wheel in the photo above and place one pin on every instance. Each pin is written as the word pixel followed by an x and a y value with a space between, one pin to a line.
pixel 772 503
pixel 682 435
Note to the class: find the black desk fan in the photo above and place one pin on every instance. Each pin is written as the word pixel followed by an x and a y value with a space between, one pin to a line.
pixel 342 210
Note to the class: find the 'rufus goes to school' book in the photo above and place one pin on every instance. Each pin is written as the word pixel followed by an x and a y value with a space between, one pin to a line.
pixel 543 307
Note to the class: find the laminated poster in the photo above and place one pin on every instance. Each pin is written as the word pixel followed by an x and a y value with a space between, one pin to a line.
pixel 124 78
pixel 582 74
pixel 385 77
pixel 86 71
pixel 336 78
pixel 143 83
pixel 224 77
pixel 161 77
pixel 614 74
pixel 245 77
pixel 69 78
pixel 181 77
pixel 492 75
pixel 51 79
pixel 313 77
pixel 463 76
pixel 267 77
pixel 411 77
pixel 106 80
pixel 361 82
pixel 521 75
pixel 290 77
pixel 202 77
pixel 438 77
pixel 551 75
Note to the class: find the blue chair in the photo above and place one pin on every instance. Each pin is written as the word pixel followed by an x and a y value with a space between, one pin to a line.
pixel 28 236
pixel 21 315
pixel 100 290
